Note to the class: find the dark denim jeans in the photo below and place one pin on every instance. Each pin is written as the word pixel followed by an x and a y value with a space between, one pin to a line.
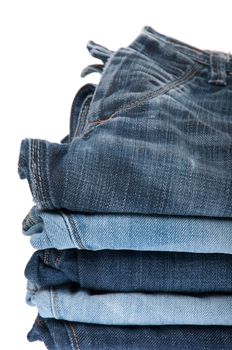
pixel 154 137
pixel 132 271
pixel 62 335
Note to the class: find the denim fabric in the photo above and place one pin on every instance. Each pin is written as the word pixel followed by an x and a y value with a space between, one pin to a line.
pixel 64 230
pixel 69 303
pixel 156 137
pixel 63 335
pixel 132 271
pixel 79 110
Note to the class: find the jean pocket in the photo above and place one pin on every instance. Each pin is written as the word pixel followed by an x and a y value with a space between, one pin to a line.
pixel 130 79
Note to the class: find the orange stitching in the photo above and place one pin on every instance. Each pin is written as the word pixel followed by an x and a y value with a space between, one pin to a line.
pixel 152 94
pixel 74 335
pixel 101 121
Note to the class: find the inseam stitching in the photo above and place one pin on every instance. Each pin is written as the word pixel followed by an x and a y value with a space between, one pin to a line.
pixel 75 336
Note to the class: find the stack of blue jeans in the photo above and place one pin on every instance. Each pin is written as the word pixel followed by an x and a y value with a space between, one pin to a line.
pixel 132 218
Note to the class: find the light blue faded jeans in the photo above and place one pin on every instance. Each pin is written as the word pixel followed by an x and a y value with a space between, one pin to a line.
pixel 72 304
pixel 64 230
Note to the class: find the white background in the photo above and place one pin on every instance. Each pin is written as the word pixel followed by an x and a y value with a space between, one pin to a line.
pixel 42 52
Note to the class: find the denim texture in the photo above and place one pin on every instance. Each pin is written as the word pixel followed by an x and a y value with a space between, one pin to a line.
pixel 151 138
pixel 132 271
pixel 63 335
pixel 64 230
pixel 146 171
pixel 69 303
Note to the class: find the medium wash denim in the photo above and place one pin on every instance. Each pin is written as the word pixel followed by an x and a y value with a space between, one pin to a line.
pixel 72 304
pixel 132 271
pixel 154 137
pixel 64 230
pixel 63 335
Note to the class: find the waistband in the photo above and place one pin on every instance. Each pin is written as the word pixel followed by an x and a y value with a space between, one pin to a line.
pixel 148 34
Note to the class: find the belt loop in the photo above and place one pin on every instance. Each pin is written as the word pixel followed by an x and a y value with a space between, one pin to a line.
pixel 218 73
pixel 99 51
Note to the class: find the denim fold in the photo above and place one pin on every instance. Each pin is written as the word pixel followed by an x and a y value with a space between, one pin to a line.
pixel 65 230
pixel 70 303
pixel 155 139
pixel 64 335
pixel 132 271
pixel 132 217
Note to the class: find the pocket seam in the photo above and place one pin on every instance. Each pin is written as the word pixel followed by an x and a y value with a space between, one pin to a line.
pixel 161 91
pixel 91 125
pixel 152 94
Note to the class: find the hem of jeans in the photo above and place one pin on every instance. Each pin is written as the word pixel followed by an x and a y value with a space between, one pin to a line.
pixel 32 166
pixel 53 303
pixel 73 230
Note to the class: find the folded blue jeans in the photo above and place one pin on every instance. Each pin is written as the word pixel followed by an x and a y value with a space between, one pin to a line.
pixel 64 230
pixel 70 303
pixel 63 335
pixel 132 271
pixel 154 137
